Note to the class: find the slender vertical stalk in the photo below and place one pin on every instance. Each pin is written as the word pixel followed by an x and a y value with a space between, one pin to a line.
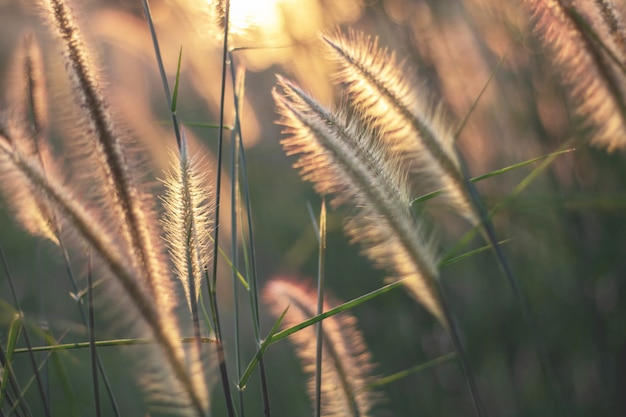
pixel 92 338
pixel 320 309
pixel 238 88
pixel 234 248
pixel 29 345
pixel 212 286
pixel 83 316
pixel 465 365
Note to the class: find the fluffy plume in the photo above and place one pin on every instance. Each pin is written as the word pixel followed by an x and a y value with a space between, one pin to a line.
pixel 347 159
pixel 27 95
pixel 25 127
pixel 110 158
pixel 31 208
pixel 346 363
pixel 591 86
pixel 126 201
pixel 187 223
pixel 607 23
pixel 382 92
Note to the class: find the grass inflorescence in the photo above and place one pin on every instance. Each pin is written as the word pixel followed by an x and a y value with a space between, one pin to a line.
pixel 174 251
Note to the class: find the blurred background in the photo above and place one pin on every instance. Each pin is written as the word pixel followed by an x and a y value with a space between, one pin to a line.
pixel 566 231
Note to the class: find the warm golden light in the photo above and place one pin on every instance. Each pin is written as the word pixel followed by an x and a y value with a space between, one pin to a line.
pixel 264 15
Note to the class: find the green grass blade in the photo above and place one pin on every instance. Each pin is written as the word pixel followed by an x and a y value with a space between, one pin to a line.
pixel 255 360
pixel 105 343
pixel 176 83
pixel 403 374
pixel 157 51
pixel 212 286
pixel 8 370
pixel 343 307
pixel 40 387
pixel 12 336
pixel 449 260
pixel 480 94
pixel 497 172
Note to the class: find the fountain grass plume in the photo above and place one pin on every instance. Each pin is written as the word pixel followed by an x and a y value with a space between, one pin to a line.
pixel 588 82
pixel 129 205
pixel 31 208
pixel 346 159
pixel 415 130
pixel 26 91
pixel 25 125
pixel 188 221
pixel 347 368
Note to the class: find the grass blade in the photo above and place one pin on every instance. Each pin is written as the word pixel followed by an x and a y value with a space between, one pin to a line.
pixel 31 356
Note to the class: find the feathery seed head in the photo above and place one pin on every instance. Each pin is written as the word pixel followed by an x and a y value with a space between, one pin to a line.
pixel 592 85
pixel 345 158
pixel 388 97
pixel 188 220
pixel 346 363
pixel 132 208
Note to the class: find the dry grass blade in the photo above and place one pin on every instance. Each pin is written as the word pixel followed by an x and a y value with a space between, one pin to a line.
pixel 346 159
pixel 346 364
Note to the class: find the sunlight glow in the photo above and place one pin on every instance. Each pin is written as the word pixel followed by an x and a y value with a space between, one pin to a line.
pixel 255 14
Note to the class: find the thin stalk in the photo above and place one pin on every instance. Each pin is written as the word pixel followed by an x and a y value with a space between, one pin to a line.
pixel 275 336
pixel 107 343
pixel 8 370
pixel 8 377
pixel 20 400
pixel 72 279
pixel 92 338
pixel 212 286
pixel 253 276
pixel 460 351
pixel 42 322
pixel 238 88
pixel 320 309
pixel 182 150
pixel 472 107
pixel 219 346
pixel 418 368
pixel 489 234
pixel 29 345
pixel 157 52
pixel 234 207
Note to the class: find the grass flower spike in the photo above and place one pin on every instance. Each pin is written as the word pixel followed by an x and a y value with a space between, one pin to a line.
pixel 412 128
pixel 187 222
pixel 25 126
pixel 592 86
pixel 346 364
pixel 30 206
pixel 26 92
pixel 346 159
pixel 125 202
